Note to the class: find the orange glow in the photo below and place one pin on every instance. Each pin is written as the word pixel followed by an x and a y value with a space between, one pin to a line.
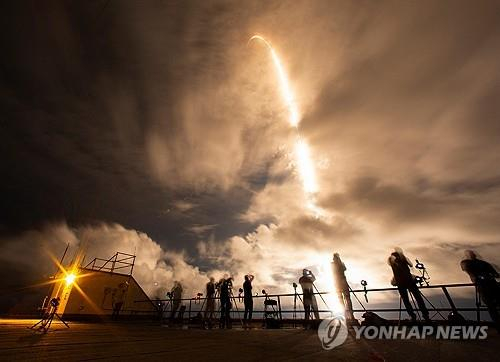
pixel 306 167
pixel 70 278
pixel 325 281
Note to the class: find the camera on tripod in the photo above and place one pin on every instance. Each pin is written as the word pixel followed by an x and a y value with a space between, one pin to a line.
pixel 421 280
pixel 170 295
pixel 54 302
pixel 419 265
pixel 46 321
pixel 424 277
pixel 364 283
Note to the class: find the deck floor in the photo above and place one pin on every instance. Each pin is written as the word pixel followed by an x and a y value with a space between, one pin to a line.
pixel 142 341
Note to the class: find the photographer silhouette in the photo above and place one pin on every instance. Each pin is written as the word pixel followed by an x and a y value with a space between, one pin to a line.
pixel 306 281
pixel 484 276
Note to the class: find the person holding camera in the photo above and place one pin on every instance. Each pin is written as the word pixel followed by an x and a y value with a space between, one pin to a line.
pixel 247 298
pixel 225 286
pixel 306 281
pixel 405 282
pixel 210 307
pixel 176 294
pixel 484 276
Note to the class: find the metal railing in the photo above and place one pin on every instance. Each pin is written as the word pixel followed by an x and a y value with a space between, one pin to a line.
pixel 119 261
pixel 195 306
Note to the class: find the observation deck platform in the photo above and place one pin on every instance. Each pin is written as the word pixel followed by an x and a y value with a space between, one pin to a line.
pixel 127 341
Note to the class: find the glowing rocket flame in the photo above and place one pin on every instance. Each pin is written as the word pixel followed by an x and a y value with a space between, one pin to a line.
pixel 305 166
pixel 304 162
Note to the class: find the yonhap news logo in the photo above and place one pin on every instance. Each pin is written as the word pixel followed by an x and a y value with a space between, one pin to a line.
pixel 332 332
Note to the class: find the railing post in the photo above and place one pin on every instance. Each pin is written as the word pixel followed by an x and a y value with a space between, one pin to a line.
pixel 189 311
pixel 279 307
pixel 114 262
pixel 478 304
pixel 132 267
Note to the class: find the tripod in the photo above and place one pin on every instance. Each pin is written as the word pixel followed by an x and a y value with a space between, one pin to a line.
pixel 323 299
pixel 295 296
pixel 424 276
pixel 165 309
pixel 428 301
pixel 48 317
pixel 355 296
pixel 231 296
pixel 225 309
pixel 210 315
pixel 203 313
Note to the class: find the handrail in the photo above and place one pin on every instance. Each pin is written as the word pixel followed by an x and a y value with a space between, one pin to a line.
pixel 161 303
pixel 456 285
pixel 127 261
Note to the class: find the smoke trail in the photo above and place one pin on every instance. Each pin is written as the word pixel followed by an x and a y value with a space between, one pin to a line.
pixel 284 84
pixel 305 165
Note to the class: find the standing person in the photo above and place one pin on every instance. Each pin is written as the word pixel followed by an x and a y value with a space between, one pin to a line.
pixel 225 285
pixel 176 294
pixel 484 276
pixel 306 281
pixel 248 299
pixel 338 269
pixel 118 298
pixel 405 282
pixel 210 307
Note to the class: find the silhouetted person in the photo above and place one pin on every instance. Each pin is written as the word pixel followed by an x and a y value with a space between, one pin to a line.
pixel 210 307
pixel 338 269
pixel 247 298
pixel 306 281
pixel 483 275
pixel 405 282
pixel 176 298
pixel 118 298
pixel 225 286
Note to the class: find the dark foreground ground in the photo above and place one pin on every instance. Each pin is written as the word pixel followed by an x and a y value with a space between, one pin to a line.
pixel 149 342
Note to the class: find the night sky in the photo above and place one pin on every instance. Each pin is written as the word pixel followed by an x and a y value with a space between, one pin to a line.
pixel 81 89
pixel 155 127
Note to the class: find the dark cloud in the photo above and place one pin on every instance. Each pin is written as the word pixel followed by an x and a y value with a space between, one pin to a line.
pixel 85 86
pixel 314 233
pixel 470 207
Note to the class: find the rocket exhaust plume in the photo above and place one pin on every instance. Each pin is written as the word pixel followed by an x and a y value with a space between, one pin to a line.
pixel 286 90
pixel 305 165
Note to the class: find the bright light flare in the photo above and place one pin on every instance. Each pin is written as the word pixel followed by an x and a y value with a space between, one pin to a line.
pixel 325 282
pixel 69 276
pixel 305 166
pixel 70 279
